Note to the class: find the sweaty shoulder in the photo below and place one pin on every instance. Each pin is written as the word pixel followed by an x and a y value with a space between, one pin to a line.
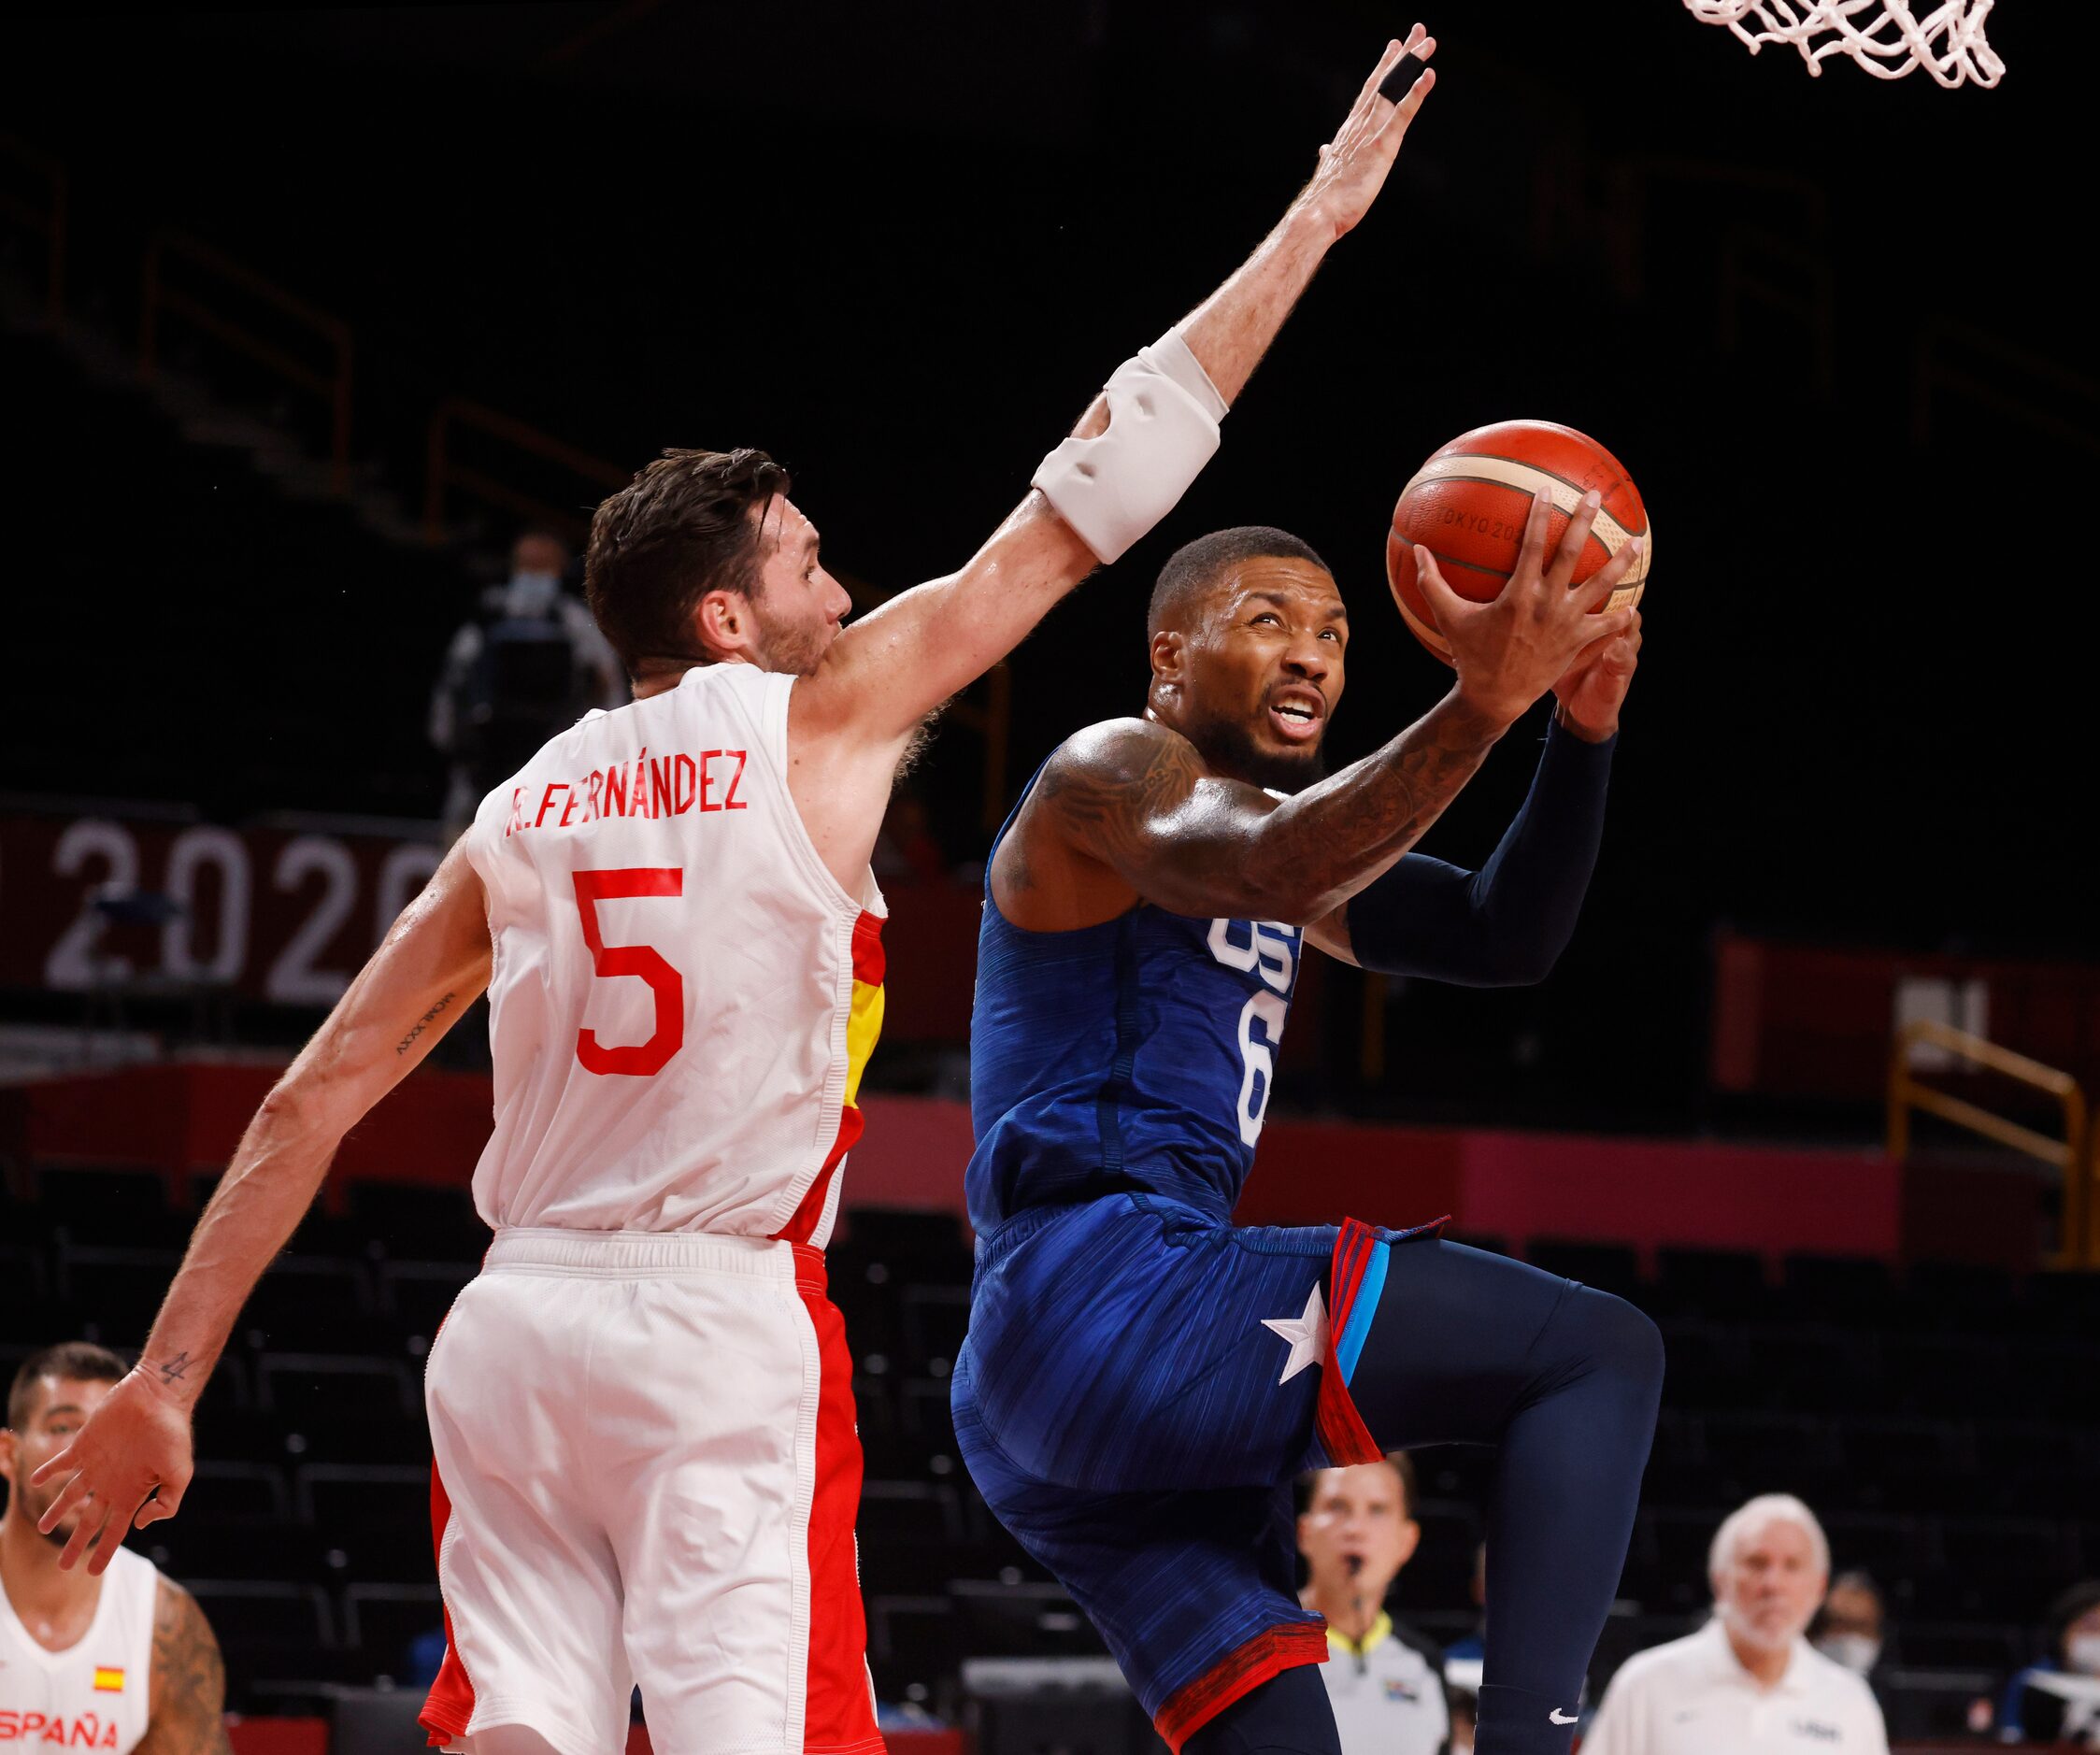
pixel 1127 762
pixel 1067 860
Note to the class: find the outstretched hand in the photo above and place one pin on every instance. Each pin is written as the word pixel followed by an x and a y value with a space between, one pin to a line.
pixel 127 1466
pixel 1353 165
pixel 1510 651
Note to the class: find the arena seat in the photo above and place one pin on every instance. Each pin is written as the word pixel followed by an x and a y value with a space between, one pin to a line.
pixel 296 1385
pixel 1020 1620
pixel 415 1296
pixel 1718 1283
pixel 1932 1703
pixel 382 1620
pixel 934 1319
pixel 266 1620
pixel 1838 1288
pixel 116 1208
pixel 913 1646
pixel 120 1285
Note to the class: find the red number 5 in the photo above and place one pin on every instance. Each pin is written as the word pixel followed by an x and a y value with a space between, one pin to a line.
pixel 641 961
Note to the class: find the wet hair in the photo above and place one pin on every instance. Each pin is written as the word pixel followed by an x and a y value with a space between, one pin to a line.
pixel 1195 568
pixel 682 528
pixel 72 1362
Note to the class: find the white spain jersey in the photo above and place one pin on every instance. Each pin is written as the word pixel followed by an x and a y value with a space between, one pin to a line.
pixel 93 1696
pixel 682 996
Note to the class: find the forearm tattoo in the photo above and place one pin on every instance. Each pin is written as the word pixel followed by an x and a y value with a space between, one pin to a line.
pixel 1142 802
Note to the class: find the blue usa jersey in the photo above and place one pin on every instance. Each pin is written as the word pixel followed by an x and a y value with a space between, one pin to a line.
pixel 1136 1055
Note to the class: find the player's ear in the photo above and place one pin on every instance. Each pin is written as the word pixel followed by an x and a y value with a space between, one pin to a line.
pixel 722 619
pixel 11 1446
pixel 1170 655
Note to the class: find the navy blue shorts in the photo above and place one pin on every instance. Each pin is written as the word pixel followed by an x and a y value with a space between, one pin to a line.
pixel 1140 1386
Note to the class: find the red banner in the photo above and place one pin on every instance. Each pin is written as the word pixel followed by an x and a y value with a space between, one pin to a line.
pixel 282 911
pixel 1807 1021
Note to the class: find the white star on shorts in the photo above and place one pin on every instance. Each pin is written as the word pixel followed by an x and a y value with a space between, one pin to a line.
pixel 1307 1334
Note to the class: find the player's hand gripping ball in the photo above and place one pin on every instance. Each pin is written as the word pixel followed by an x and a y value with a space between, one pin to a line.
pixel 1467 506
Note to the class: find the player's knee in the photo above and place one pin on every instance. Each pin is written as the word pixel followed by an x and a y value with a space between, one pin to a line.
pixel 1617 1339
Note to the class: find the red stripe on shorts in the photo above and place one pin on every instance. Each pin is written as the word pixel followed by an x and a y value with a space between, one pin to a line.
pixel 838 1716
pixel 1237 1674
pixel 451 1705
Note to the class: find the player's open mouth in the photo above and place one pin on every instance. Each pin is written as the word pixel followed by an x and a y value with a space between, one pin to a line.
pixel 1297 716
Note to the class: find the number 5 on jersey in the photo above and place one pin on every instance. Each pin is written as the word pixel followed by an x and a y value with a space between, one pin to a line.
pixel 643 961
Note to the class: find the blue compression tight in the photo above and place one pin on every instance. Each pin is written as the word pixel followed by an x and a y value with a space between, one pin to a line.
pixel 1468 1347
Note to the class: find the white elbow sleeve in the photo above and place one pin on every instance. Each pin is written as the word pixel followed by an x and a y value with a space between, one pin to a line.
pixel 1162 427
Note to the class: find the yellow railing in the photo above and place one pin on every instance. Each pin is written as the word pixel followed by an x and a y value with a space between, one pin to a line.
pixel 331 384
pixel 446 472
pixel 48 221
pixel 2074 1154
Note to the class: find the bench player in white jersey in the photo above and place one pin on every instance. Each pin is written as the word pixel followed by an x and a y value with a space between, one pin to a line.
pixel 641 1412
pixel 121 1662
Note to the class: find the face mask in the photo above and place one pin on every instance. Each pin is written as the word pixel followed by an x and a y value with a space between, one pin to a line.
pixel 2082 1653
pixel 1857 1653
pixel 532 593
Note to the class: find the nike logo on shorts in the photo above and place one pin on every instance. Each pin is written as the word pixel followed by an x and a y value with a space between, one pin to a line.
pixel 1558 1717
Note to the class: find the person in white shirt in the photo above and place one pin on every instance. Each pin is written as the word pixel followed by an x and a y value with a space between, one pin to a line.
pixel 123 1663
pixel 1385 1682
pixel 1747 1683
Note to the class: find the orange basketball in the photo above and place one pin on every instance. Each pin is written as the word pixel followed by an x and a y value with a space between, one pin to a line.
pixel 1467 506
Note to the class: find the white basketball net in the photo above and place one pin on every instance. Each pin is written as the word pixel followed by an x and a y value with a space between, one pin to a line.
pixel 1884 36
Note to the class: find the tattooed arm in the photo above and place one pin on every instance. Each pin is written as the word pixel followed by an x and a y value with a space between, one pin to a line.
pixel 186 1704
pixel 135 1446
pixel 1127 811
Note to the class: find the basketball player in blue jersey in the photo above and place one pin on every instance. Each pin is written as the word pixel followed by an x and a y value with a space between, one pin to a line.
pixel 1143 1378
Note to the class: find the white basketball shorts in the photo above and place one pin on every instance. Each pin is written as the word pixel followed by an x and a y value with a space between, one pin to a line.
pixel 646 1470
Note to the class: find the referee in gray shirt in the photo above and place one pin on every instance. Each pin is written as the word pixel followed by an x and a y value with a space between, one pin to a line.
pixel 1385 1681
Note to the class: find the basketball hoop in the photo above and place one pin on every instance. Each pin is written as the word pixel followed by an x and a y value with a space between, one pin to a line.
pixel 1884 36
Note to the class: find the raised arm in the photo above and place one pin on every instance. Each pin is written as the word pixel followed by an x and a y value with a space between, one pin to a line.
pixel 883 675
pixel 135 1446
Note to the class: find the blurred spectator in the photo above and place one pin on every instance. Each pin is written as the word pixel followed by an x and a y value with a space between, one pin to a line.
pixel 1747 1681
pixel 529 664
pixel 1851 1627
pixel 1384 1681
pixel 2058 1699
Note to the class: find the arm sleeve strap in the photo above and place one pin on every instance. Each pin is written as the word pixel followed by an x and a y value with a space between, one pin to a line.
pixel 1162 427
pixel 1506 923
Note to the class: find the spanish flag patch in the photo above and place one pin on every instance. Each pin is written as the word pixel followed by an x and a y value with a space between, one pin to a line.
pixel 109 1681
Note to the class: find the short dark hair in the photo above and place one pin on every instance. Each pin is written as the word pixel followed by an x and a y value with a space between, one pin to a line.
pixel 682 528
pixel 1399 1462
pixel 1196 566
pixel 75 1362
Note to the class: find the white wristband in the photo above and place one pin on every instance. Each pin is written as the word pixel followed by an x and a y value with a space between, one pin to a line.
pixel 1162 427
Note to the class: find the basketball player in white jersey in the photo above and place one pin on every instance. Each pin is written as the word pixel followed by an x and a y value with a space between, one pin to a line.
pixel 119 1663
pixel 641 1416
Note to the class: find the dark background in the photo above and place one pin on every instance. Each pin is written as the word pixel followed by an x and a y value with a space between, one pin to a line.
pixel 900 246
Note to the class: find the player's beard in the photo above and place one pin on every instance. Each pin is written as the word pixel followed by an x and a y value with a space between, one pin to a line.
pixel 790 650
pixel 1230 747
